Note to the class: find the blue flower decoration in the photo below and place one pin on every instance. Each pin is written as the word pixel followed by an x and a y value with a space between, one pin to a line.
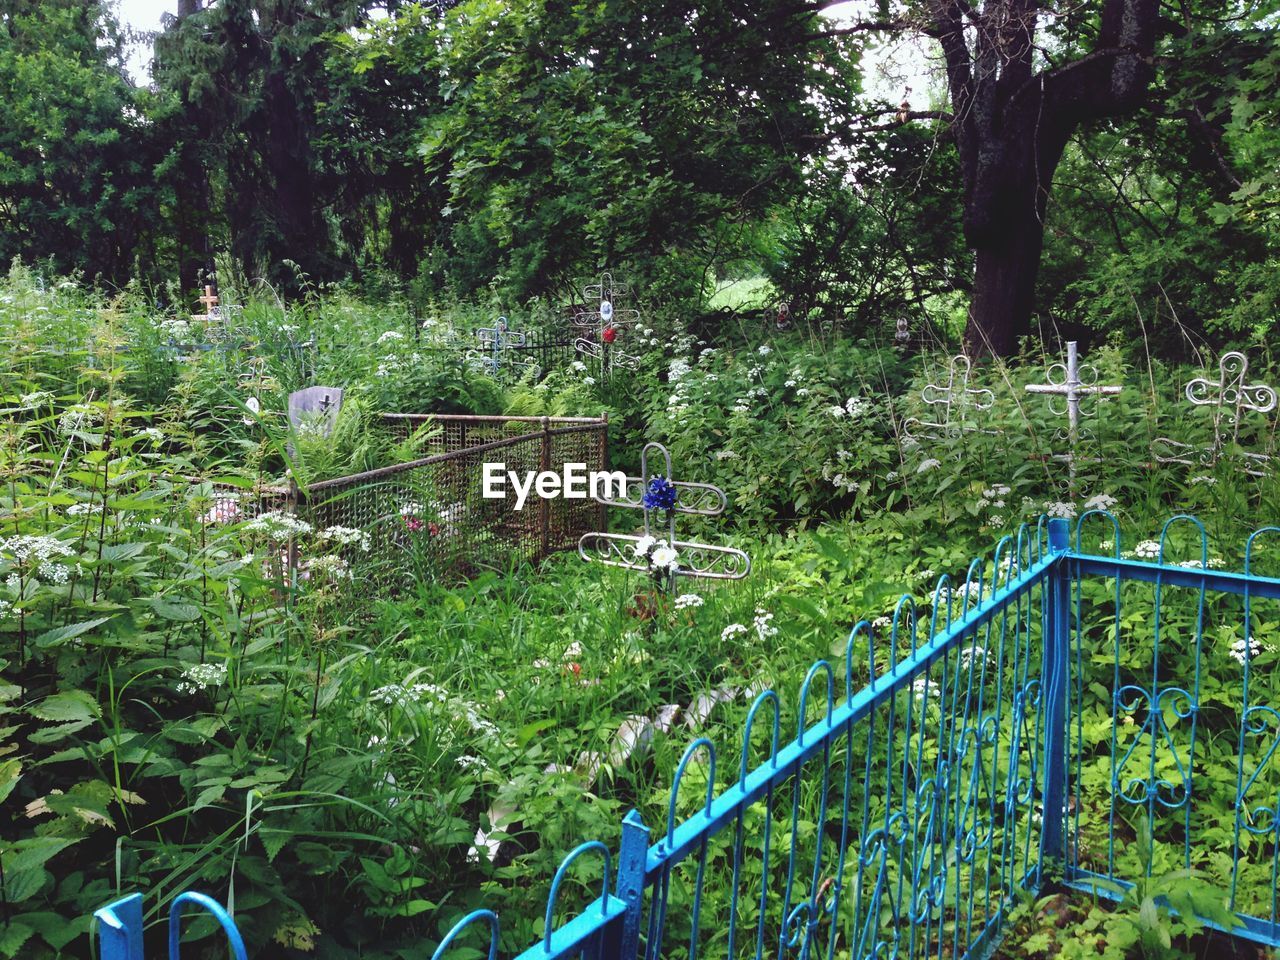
pixel 661 494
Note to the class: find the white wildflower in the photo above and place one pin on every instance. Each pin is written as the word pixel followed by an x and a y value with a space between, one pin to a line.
pixel 858 407
pixel 1241 651
pixel 330 567
pixel 29 401
pixel 643 546
pixel 763 623
pixel 278 526
pixel 687 600
pixel 347 537
pixel 927 465
pixel 202 676
pixel 1100 501
pixel 732 630
pixel 1147 550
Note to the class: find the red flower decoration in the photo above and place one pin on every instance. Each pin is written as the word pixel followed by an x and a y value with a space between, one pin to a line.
pixel 609 334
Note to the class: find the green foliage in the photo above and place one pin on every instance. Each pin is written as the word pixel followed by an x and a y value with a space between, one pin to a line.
pixel 177 712
pixel 76 155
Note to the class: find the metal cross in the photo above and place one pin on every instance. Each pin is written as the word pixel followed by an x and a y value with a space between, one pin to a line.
pixel 605 322
pixel 1064 380
pixel 497 341
pixel 955 400
pixel 702 560
pixel 1230 396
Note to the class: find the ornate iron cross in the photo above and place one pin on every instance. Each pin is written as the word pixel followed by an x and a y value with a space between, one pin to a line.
pixel 954 400
pixel 495 343
pixel 702 560
pixel 1065 380
pixel 1229 396
pixel 605 321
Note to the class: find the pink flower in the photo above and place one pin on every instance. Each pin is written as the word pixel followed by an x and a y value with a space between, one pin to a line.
pixel 224 510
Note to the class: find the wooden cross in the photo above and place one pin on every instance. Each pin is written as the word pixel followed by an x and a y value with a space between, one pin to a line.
pixel 210 299
pixel 700 560
pixel 1230 396
pixel 955 399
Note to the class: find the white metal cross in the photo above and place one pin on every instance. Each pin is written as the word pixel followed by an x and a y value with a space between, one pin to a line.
pixel 605 322
pixel 1230 396
pixel 1064 380
pixel 497 341
pixel 701 560
pixel 955 399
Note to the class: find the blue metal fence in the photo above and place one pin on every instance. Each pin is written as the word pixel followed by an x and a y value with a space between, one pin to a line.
pixel 1001 736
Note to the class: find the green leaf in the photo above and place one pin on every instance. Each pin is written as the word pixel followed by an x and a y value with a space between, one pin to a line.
pixel 174 610
pixel 531 730
pixel 12 936
pixel 10 772
pixel 60 635
pixel 70 706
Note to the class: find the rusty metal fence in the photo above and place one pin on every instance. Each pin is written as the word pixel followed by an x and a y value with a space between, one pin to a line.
pixel 429 517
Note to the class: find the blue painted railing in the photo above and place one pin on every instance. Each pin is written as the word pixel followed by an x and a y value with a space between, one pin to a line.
pixel 1004 740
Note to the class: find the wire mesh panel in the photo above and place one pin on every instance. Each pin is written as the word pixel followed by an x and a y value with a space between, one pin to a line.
pixel 430 515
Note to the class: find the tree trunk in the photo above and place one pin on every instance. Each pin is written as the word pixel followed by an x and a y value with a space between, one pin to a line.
pixel 1004 288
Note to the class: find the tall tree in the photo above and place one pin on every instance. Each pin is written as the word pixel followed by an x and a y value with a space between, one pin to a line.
pixel 76 157
pixel 1023 79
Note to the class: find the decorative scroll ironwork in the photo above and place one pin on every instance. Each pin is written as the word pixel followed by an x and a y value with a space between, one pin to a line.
pixel 499 351
pixel 1230 396
pixel 955 401
pixel 606 319
pixel 702 560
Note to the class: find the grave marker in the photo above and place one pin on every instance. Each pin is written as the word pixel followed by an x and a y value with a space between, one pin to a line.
pixel 955 400
pixel 679 498
pixel 1230 396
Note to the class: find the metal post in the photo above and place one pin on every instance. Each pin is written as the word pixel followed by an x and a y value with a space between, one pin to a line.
pixel 120 929
pixel 545 504
pixel 1073 395
pixel 624 943
pixel 1055 672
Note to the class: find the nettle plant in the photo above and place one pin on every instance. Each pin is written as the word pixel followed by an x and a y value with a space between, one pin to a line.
pixel 164 659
